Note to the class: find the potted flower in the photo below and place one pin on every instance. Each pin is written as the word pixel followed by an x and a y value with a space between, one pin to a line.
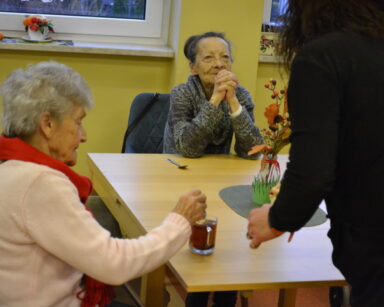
pixel 276 136
pixel 38 27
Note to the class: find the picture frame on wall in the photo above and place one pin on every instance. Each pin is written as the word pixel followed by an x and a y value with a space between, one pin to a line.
pixel 269 44
pixel 269 38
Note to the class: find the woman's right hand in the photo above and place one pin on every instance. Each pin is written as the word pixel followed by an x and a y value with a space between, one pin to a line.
pixel 192 205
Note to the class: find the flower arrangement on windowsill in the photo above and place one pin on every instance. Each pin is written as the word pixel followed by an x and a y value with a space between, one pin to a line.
pixel 38 27
pixel 275 137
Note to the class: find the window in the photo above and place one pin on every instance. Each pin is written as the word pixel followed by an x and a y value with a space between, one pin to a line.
pixel 126 9
pixel 94 20
pixel 272 10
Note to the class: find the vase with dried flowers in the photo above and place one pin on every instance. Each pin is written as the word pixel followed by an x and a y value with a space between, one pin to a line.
pixel 38 27
pixel 276 136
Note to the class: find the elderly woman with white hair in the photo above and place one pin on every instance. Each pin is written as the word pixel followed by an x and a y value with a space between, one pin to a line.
pixel 53 252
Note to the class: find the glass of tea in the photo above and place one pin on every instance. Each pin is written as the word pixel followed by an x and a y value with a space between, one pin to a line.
pixel 203 236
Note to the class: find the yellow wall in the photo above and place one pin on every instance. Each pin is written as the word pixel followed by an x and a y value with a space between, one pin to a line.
pixel 115 80
pixel 262 96
pixel 239 20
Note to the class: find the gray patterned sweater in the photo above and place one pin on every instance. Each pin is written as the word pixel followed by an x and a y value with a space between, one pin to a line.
pixel 196 127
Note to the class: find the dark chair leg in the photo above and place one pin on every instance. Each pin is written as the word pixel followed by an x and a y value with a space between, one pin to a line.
pixel 336 296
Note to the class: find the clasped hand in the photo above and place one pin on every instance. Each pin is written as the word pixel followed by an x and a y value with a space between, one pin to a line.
pixel 225 88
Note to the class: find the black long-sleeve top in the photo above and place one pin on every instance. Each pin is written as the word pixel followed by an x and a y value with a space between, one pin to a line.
pixel 336 105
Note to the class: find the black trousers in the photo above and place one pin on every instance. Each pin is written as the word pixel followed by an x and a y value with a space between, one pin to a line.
pixel 359 255
pixel 220 299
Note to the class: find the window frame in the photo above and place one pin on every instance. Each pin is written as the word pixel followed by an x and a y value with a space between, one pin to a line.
pixel 151 31
pixel 267 11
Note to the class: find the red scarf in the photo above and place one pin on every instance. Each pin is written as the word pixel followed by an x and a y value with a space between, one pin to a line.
pixel 94 293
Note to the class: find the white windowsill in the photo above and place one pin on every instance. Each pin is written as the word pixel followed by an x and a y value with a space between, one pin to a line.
pixel 93 48
pixel 133 50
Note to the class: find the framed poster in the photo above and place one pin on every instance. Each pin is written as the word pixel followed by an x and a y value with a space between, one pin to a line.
pixel 269 44
pixel 269 39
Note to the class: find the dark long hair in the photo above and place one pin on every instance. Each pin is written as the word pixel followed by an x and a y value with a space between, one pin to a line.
pixel 305 20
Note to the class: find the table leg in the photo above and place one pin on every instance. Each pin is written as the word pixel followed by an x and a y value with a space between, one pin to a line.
pixel 152 287
pixel 287 297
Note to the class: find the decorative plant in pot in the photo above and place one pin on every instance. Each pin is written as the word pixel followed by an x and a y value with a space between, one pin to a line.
pixel 38 27
pixel 276 136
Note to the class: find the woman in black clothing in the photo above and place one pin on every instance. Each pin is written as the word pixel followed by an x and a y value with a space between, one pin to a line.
pixel 334 50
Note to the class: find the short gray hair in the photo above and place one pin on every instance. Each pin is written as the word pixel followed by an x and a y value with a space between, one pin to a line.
pixel 191 44
pixel 45 87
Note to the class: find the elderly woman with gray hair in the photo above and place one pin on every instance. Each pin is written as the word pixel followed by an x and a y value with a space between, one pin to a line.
pixel 53 252
pixel 211 106
pixel 204 114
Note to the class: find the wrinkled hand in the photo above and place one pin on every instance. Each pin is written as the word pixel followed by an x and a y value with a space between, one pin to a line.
pixel 258 227
pixel 192 205
pixel 225 87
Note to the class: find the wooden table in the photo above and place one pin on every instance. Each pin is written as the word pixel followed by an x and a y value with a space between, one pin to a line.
pixel 140 189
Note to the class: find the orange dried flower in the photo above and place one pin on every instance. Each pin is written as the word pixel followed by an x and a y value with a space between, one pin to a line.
pixel 258 148
pixel 270 113
pixel 26 21
pixel 1 36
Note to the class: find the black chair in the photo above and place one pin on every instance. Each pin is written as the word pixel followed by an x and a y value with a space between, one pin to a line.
pixel 104 217
pixel 147 119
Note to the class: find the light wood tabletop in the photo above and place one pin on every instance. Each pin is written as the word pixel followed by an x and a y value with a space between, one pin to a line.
pixel 141 189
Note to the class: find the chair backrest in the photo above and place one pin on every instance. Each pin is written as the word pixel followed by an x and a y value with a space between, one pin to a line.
pixel 147 135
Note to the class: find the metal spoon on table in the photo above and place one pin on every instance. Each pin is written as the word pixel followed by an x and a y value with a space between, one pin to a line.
pixel 177 164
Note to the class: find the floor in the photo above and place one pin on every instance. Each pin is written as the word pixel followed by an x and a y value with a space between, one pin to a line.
pixel 306 297
pixel 309 297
